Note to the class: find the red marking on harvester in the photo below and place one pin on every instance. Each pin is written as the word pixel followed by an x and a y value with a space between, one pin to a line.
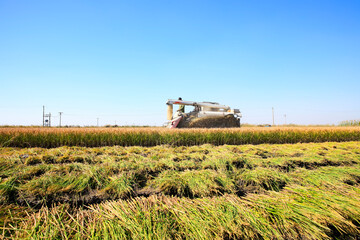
pixel 175 122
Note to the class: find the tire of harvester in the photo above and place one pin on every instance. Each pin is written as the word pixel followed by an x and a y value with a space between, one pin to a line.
pixel 228 121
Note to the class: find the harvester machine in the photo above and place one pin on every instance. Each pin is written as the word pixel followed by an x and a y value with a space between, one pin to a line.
pixel 204 115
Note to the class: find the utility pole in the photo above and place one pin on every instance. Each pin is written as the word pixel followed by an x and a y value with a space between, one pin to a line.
pixel 285 118
pixel 273 116
pixel 49 119
pixel 43 115
pixel 97 121
pixel 60 117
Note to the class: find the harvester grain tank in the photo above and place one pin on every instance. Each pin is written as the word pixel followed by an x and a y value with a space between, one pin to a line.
pixel 205 115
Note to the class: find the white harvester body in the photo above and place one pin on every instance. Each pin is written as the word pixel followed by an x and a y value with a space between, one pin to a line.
pixel 201 110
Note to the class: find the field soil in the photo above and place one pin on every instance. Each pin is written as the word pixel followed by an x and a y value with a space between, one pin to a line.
pixel 266 191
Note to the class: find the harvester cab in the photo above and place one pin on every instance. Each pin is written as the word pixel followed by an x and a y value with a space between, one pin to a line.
pixel 204 115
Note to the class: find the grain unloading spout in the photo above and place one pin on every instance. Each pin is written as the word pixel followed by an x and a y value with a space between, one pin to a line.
pixel 171 103
pixel 169 112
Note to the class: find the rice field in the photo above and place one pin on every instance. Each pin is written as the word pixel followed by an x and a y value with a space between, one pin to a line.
pixel 98 137
pixel 216 190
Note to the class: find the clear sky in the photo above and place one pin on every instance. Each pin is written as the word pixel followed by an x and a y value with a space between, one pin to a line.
pixel 120 61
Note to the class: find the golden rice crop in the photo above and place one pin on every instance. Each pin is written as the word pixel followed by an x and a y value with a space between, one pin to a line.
pixel 96 137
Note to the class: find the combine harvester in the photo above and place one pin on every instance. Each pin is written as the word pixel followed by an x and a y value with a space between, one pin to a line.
pixel 204 115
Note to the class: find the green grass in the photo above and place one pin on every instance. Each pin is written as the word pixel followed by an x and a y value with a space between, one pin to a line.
pixel 287 191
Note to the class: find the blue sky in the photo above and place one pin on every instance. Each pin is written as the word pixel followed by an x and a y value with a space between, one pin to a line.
pixel 120 61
